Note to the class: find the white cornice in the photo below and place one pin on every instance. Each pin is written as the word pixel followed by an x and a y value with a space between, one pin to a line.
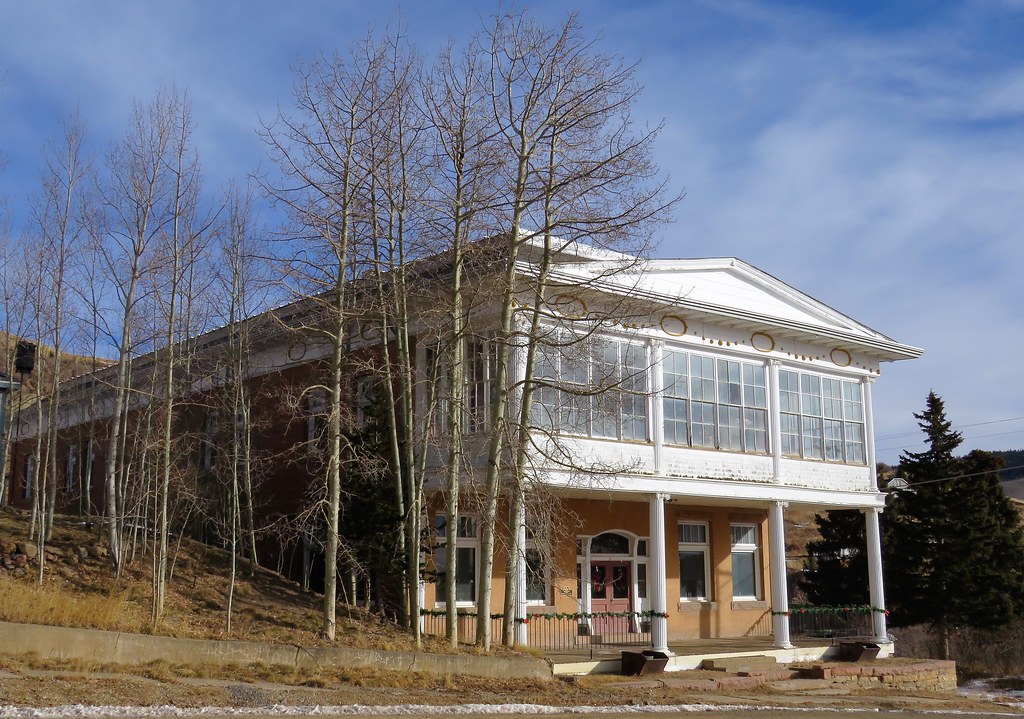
pixel 716 491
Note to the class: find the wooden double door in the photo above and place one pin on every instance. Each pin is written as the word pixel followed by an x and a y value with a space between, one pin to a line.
pixel 611 590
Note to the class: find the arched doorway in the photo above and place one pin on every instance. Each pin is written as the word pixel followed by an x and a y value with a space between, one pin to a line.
pixel 609 561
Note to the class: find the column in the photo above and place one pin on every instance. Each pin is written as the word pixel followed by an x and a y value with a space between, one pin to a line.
pixel 780 590
pixel 656 575
pixel 520 550
pixel 656 404
pixel 877 591
pixel 585 597
pixel 869 432
pixel 775 419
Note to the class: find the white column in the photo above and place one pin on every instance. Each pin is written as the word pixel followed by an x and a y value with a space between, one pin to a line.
pixel 585 586
pixel 656 574
pixel 775 419
pixel 780 590
pixel 520 549
pixel 869 432
pixel 656 404
pixel 876 589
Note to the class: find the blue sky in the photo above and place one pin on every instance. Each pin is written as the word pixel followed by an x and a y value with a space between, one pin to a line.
pixel 869 153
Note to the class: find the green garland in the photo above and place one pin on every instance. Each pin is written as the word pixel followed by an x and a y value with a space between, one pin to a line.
pixel 647 613
pixel 548 616
pixel 458 613
pixel 852 608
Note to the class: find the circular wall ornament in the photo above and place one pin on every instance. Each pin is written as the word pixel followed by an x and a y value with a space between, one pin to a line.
pixel 569 306
pixel 674 325
pixel 297 351
pixel 840 357
pixel 762 342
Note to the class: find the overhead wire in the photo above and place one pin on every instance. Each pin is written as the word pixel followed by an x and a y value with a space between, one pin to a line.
pixel 957 476
pixel 973 436
pixel 975 424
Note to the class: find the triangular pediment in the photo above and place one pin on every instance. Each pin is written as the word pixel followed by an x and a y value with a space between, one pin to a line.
pixel 739 294
pixel 733 284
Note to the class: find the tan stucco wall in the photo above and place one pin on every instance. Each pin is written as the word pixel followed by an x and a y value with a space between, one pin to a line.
pixel 721 617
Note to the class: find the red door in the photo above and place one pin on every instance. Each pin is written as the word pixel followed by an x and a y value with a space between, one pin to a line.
pixel 610 591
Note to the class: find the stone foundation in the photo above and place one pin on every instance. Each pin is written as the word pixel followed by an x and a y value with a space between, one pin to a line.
pixel 931 675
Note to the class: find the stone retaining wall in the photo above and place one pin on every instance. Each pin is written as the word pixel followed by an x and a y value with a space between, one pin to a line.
pixel 932 675
pixel 104 647
pixel 924 676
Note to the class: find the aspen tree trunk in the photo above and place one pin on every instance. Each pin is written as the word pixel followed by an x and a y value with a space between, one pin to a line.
pixel 453 97
pixel 134 198
pixel 181 249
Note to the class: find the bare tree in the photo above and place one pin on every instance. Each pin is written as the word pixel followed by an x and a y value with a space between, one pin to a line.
pixel 136 198
pixel 323 180
pixel 241 291
pixel 60 238
pixel 180 248
pixel 576 169
pixel 460 191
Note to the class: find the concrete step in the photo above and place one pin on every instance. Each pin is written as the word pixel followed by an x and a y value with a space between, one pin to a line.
pixel 734 665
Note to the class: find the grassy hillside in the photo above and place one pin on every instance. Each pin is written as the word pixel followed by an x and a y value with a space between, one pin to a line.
pixel 79 590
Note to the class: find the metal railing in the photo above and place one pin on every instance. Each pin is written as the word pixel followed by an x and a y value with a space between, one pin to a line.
pixel 830 622
pixel 582 631
pixel 554 631
pixel 434 624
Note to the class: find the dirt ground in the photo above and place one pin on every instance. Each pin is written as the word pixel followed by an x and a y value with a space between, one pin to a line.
pixel 38 685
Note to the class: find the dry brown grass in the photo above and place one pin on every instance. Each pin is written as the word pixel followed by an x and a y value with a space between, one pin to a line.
pixel 977 652
pixel 47 604
pixel 267 606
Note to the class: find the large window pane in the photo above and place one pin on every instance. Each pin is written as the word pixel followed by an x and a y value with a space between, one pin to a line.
pixel 755 430
pixel 832 398
pixel 744 560
pixel 729 427
pixel 702 378
pixel 692 574
pixel 854 442
pixel 812 437
pixel 465 574
pixel 703 424
pixel 744 577
pixel 675 421
pixel 833 440
pixel 730 386
pixel 791 434
pixel 789 391
pixel 674 374
pixel 536 581
pixel 754 392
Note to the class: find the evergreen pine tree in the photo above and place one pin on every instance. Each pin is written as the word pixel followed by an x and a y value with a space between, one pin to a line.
pixel 839 573
pixel 954 550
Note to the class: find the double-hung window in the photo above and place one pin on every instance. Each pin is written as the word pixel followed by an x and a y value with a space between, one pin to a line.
pixel 693 561
pixel 71 471
pixel 822 417
pixel 536 570
pixel 316 421
pixel 745 577
pixel 717 403
pixel 467 545
pixel 436 384
pixel 211 426
pixel 30 476
pixel 365 397
pixel 480 368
